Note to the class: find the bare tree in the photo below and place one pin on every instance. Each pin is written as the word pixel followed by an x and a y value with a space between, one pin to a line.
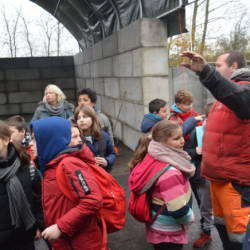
pixel 27 36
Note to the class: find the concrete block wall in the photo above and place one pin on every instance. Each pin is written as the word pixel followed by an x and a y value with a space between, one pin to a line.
pixel 127 70
pixel 22 82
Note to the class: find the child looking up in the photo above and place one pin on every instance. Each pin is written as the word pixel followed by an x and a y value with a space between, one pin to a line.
pixel 182 110
pixel 95 138
pixel 172 189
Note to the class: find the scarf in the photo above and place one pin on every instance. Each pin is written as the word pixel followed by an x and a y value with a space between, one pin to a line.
pixel 20 210
pixel 56 110
pixel 178 158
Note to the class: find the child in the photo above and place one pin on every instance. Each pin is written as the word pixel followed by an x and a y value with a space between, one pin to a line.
pixel 95 138
pixel 200 186
pixel 88 97
pixel 70 225
pixel 172 189
pixel 21 217
pixel 19 130
pixel 157 112
pixel 182 111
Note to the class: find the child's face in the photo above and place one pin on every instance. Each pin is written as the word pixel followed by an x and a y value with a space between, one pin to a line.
pixel 33 145
pixel 84 99
pixel 184 107
pixel 16 135
pixel 84 122
pixel 75 137
pixel 176 140
pixel 163 113
pixel 4 148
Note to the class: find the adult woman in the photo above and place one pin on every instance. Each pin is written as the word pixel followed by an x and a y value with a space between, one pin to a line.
pixel 20 196
pixel 53 104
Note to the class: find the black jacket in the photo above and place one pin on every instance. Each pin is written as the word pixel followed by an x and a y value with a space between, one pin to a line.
pixel 9 236
pixel 236 97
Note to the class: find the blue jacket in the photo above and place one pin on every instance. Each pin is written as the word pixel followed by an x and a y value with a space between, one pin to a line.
pixel 53 135
pixel 103 148
pixel 148 121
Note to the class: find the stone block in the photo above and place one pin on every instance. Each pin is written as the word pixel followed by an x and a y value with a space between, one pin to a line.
pixel 123 65
pixel 65 83
pixel 14 63
pixel 52 61
pixel 23 97
pixel 137 62
pixel 1 75
pixel 105 67
pixel 130 137
pixel 108 106
pixel 155 87
pixel 78 58
pixel 78 71
pixel 154 61
pixel 110 45
pixel 129 37
pixel 3 98
pixel 29 108
pixel 80 84
pixel 86 70
pixel 9 109
pixel 131 88
pixel 111 86
pixel 70 95
pixel 22 74
pixel 2 85
pixel 11 86
pixel 90 83
pixel 57 72
pixel 130 113
pixel 117 129
pixel 31 85
pixel 97 51
pixel 99 86
pixel 87 55
pixel 153 32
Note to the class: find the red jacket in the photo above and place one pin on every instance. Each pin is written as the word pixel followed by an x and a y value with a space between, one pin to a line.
pixel 78 222
pixel 226 144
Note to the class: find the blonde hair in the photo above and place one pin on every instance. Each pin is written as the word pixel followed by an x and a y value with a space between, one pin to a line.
pixel 55 89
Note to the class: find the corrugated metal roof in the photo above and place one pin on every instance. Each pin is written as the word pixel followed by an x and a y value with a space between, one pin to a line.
pixel 92 20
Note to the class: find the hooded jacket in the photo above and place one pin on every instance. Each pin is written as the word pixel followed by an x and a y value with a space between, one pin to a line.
pixel 226 150
pixel 78 222
pixel 148 121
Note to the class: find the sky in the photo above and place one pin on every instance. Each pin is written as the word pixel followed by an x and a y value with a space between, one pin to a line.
pixel 33 12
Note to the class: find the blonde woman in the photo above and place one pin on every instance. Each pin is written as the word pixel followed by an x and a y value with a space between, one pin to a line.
pixel 53 104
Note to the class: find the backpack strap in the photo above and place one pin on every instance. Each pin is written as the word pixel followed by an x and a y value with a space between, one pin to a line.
pixel 152 181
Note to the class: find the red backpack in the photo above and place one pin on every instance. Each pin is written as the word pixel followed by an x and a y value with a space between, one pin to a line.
pixel 139 204
pixel 112 214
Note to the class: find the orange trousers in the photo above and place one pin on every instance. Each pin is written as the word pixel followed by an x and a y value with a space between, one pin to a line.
pixel 226 203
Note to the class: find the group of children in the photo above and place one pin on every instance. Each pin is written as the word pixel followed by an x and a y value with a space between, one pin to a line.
pixel 28 161
pixel 175 141
pixel 26 164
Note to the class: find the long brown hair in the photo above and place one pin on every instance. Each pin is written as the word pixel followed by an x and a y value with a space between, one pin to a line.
pixel 160 132
pixel 95 129
pixel 5 134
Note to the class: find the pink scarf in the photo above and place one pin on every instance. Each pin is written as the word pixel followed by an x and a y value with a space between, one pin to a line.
pixel 178 158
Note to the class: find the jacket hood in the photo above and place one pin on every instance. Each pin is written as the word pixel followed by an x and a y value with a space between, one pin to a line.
pixel 143 172
pixel 242 74
pixel 52 134
pixel 175 109
pixel 80 151
pixel 148 121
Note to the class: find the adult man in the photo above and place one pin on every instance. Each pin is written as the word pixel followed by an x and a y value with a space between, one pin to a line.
pixel 226 150
pixel 88 96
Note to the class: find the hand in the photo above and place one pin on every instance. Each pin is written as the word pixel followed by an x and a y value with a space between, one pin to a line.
pixel 199 118
pixel 199 150
pixel 197 64
pixel 51 233
pixel 38 234
pixel 101 161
